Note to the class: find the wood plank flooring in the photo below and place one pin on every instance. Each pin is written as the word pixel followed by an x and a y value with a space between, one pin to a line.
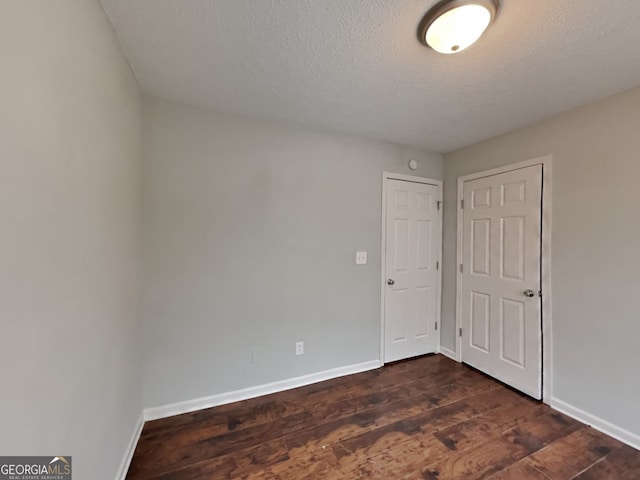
pixel 429 418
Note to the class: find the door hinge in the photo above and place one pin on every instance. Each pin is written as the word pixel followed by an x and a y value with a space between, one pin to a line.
pixel 460 331
pixel 461 269
pixel 540 293
pixel 437 265
pixel 438 204
pixel 436 325
pixel 462 204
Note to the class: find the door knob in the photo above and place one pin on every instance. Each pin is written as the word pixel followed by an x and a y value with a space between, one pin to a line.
pixel 529 293
pixel 391 282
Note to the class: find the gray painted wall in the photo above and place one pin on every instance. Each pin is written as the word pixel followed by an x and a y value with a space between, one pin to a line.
pixel 69 220
pixel 595 260
pixel 250 235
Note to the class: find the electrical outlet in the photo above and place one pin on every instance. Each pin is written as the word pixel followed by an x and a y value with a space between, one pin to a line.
pixel 299 348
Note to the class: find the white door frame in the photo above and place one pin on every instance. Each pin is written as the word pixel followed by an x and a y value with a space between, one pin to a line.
pixel 547 344
pixel 383 255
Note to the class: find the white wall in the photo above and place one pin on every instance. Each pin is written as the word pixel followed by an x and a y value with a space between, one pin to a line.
pixel 250 235
pixel 69 221
pixel 595 259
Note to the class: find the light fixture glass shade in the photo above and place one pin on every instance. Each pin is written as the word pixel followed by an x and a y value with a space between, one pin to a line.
pixel 454 25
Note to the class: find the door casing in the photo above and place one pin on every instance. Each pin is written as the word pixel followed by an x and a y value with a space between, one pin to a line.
pixel 547 353
pixel 408 178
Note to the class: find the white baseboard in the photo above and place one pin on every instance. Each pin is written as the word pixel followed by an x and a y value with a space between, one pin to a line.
pixel 598 423
pixel 449 353
pixel 131 447
pixel 154 413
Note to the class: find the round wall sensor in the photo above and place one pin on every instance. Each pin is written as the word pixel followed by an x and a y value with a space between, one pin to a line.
pixel 413 164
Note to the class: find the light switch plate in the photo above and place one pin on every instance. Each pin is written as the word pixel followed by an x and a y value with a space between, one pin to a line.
pixel 361 258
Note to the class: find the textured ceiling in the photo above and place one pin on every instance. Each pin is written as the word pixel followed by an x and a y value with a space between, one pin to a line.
pixel 356 66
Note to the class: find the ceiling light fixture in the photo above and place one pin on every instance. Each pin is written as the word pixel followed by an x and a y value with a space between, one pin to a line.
pixel 453 25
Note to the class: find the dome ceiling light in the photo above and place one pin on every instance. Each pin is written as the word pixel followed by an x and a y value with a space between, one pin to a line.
pixel 453 25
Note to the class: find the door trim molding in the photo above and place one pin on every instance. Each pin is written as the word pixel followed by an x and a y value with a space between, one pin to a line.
pixel 547 341
pixel 383 252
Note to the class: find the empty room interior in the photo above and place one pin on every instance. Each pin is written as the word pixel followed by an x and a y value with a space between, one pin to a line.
pixel 320 239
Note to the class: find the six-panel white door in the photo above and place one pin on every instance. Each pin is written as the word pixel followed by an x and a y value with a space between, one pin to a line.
pixel 411 269
pixel 501 306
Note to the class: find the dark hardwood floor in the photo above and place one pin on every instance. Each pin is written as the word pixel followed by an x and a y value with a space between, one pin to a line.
pixel 429 418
